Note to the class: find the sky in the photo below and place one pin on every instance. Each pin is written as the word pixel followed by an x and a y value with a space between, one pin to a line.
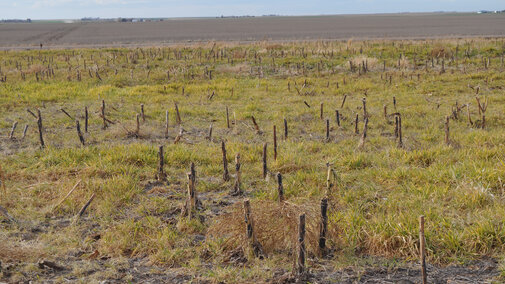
pixel 75 9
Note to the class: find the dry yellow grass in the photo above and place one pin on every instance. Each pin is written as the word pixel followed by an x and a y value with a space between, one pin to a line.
pixel 19 251
pixel 371 62
pixel 275 227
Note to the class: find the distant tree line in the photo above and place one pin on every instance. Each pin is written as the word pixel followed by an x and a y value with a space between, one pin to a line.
pixel 15 21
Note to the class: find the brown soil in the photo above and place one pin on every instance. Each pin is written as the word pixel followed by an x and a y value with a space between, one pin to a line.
pixel 171 31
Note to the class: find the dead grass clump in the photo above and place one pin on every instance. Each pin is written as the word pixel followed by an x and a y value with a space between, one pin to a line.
pixel 378 243
pixel 35 68
pixel 349 43
pixel 275 227
pixel 273 46
pixel 12 252
pixel 370 62
pixel 441 52
pixel 239 54
pixel 404 62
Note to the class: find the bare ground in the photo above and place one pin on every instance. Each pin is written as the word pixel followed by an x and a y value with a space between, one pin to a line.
pixel 138 270
pixel 172 31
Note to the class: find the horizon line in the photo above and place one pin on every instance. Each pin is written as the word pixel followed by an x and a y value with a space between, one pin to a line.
pixel 258 16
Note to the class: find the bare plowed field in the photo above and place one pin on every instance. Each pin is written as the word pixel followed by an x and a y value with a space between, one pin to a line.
pixel 252 29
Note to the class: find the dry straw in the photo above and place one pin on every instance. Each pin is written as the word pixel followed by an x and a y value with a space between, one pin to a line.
pixel 275 227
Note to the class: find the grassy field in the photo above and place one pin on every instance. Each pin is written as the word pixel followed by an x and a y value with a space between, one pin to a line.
pixel 134 228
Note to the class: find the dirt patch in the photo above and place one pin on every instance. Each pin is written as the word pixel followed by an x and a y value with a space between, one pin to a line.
pixel 481 271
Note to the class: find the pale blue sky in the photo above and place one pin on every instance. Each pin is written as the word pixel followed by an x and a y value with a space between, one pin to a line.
pixel 72 9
